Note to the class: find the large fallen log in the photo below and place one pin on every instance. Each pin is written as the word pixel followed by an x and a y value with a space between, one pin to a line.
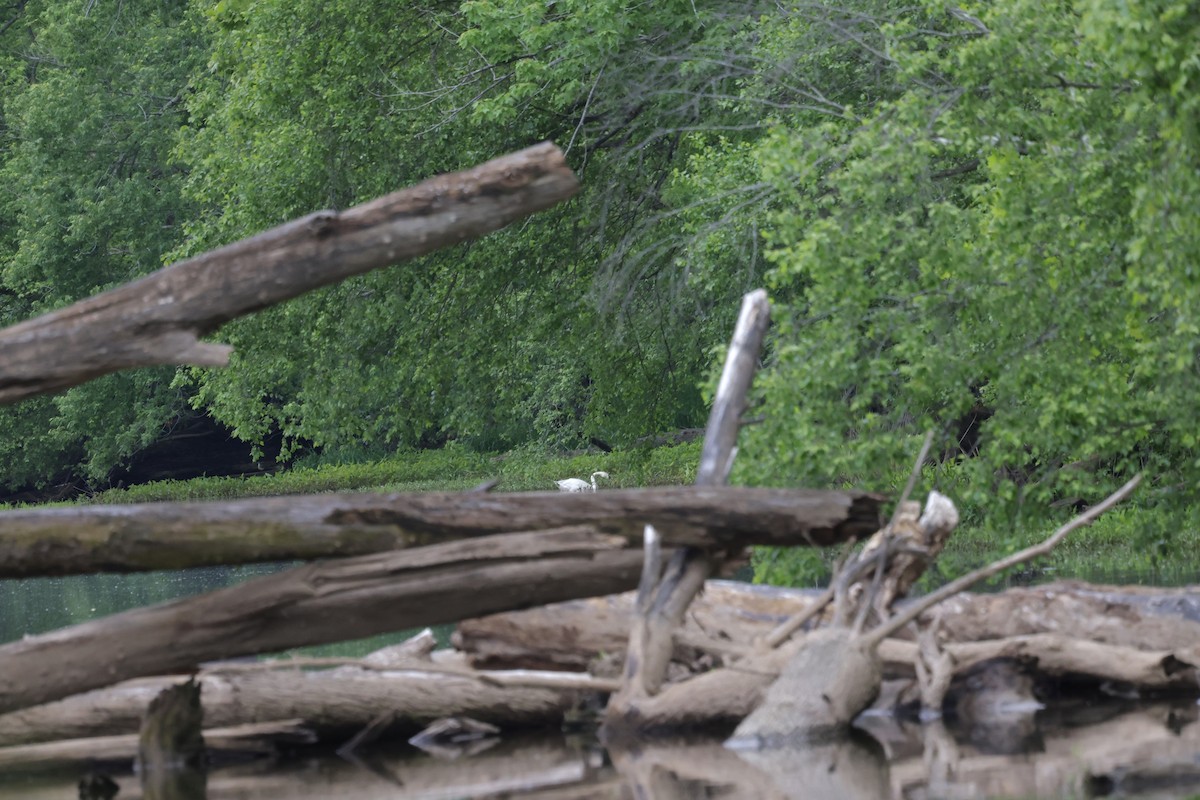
pixel 331 704
pixel 318 603
pixel 1132 637
pixel 159 319
pixel 122 538
pixel 729 617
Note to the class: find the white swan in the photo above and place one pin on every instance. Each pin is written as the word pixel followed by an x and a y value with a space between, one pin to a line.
pixel 578 484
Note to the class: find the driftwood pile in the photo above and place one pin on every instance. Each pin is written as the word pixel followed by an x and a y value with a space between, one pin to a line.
pixel 681 653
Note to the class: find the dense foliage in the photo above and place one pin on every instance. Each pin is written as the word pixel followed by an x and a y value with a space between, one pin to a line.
pixel 978 218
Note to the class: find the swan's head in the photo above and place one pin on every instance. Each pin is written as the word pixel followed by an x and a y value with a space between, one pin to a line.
pixel 599 474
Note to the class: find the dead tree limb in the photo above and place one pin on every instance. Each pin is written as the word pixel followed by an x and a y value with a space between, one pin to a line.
pixel 124 538
pixel 161 318
pixel 664 599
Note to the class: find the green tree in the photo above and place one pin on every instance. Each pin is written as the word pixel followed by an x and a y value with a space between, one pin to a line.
pixel 584 321
pixel 92 100
pixel 1007 230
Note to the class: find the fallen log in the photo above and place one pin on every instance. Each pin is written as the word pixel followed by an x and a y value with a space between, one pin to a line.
pixel 1134 638
pixel 726 619
pixel 850 675
pixel 160 318
pixel 318 603
pixel 1147 618
pixel 729 617
pixel 1057 654
pixel 331 704
pixel 149 536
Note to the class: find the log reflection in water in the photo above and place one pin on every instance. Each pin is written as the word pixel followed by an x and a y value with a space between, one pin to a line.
pixel 1092 749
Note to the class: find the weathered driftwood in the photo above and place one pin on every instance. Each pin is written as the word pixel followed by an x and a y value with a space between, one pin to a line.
pixel 318 603
pixel 725 620
pixel 729 618
pixel 409 681
pixel 1059 654
pixel 1132 638
pixel 854 657
pixel 121 538
pixel 159 319
pixel 663 596
pixel 332 704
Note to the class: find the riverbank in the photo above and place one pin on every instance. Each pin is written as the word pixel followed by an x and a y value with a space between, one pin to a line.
pixel 1137 543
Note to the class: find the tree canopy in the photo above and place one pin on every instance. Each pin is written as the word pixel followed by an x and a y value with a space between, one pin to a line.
pixel 979 218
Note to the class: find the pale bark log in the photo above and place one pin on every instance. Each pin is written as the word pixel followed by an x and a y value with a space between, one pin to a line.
pixel 331 704
pixel 833 676
pixel 729 618
pixel 318 603
pixel 1146 618
pixel 1061 654
pixel 1151 639
pixel 724 620
pixel 122 538
pixel 159 319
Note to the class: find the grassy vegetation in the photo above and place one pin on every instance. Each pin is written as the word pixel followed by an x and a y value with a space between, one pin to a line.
pixel 448 469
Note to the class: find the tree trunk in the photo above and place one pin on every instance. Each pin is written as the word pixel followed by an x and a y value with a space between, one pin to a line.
pixel 160 318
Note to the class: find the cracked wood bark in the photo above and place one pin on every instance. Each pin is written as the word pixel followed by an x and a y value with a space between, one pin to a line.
pixel 663 600
pixel 124 538
pixel 160 318
pixel 318 603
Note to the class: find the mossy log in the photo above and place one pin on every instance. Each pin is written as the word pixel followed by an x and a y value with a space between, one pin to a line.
pixel 150 536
